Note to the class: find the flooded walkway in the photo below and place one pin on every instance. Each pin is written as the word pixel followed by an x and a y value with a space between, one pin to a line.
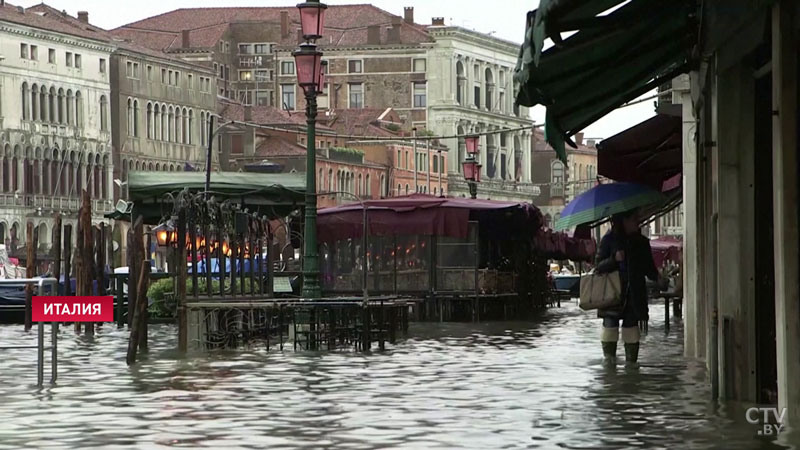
pixel 482 386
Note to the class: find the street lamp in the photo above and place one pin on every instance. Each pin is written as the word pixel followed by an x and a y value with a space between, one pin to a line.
pixel 308 61
pixel 470 166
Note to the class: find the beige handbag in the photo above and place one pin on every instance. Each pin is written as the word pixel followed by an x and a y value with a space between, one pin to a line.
pixel 600 291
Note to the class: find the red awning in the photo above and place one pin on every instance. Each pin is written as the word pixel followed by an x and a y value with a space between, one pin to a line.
pixel 666 248
pixel 426 215
pixel 649 153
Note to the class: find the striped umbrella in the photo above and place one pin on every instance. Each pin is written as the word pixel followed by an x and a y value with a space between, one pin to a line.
pixel 606 200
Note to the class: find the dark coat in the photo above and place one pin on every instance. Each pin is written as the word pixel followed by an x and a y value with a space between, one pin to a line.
pixel 638 264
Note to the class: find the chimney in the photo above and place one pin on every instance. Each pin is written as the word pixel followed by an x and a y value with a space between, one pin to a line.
pixel 409 14
pixel 374 35
pixel 248 113
pixel 437 21
pixel 284 23
pixel 83 16
pixel 579 138
pixel 185 42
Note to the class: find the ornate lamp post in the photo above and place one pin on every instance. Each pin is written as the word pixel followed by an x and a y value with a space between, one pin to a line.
pixel 471 167
pixel 308 61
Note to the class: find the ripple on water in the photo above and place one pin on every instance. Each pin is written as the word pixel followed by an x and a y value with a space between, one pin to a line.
pixel 534 384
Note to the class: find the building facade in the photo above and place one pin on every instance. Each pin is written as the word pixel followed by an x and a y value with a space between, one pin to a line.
pixel 471 90
pixel 556 182
pixel 160 111
pixel 55 137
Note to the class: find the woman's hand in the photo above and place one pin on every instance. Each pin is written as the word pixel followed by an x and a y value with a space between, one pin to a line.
pixel 620 256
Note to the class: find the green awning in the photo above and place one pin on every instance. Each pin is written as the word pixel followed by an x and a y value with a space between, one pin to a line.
pixel 272 194
pixel 610 60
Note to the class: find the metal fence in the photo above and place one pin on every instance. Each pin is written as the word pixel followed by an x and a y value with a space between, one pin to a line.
pixel 40 283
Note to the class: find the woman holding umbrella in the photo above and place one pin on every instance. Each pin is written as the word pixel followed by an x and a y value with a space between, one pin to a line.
pixel 626 250
pixel 622 249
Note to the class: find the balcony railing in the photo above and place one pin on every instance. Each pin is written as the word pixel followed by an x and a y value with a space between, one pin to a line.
pixel 49 203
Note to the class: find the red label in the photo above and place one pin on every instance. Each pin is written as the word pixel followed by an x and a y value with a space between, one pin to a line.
pixel 73 309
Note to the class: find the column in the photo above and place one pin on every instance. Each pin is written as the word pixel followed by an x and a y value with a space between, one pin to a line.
pixel 784 150
pixel 470 74
pixel 735 211
pixel 526 156
pixel 693 328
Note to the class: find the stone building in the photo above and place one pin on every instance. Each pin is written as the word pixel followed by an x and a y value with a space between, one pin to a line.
pixel 557 183
pixel 159 106
pixel 374 56
pixel 55 136
pixel 470 90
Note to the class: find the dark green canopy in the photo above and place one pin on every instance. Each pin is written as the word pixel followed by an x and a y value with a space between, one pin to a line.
pixel 609 60
pixel 272 194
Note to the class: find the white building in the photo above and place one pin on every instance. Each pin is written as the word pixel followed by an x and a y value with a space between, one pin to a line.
pixel 471 90
pixel 55 134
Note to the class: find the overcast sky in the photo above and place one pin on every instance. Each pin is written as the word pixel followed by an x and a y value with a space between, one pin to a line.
pixel 503 18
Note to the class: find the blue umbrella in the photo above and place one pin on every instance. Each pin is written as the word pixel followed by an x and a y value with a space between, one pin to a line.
pixel 605 200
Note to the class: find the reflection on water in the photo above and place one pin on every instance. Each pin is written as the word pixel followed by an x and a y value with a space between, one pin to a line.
pixel 499 385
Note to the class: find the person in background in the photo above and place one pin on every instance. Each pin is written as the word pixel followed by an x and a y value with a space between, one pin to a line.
pixel 626 250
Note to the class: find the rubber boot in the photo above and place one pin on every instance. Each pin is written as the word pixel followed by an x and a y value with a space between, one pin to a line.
pixel 630 336
pixel 610 350
pixel 609 338
pixel 632 355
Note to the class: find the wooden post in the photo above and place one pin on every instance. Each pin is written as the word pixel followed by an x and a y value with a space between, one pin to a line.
pixel 100 265
pixel 57 251
pixel 67 259
pixel 141 295
pixel 133 265
pixel 85 261
pixel 30 272
pixel 181 280
pixel 270 261
pixel 138 313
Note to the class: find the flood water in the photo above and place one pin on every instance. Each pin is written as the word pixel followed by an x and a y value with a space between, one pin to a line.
pixel 485 386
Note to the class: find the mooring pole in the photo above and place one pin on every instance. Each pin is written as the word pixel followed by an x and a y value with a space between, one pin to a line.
pixel 208 154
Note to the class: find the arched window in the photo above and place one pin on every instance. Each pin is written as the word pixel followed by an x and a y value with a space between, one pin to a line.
pixel 51 105
pixel 399 190
pixel 203 128
pixel 185 133
pixel 190 128
pixel 406 189
pixel 70 107
pixel 171 125
pixel 157 122
pixel 130 117
pixel 178 125
pixel 61 106
pixel 367 187
pixel 461 83
pixel 330 180
pixel 489 80
pixel 103 113
pixel 34 102
pixel 136 117
pixel 557 178
pixel 78 109
pixel 359 185
pixel 25 99
pixel 104 179
pixel 43 116
pixel 383 186
pixel 149 120
pixel 164 120
pixel 45 175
